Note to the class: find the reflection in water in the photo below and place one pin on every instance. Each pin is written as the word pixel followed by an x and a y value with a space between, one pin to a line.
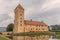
pixel 55 37
pixel 41 37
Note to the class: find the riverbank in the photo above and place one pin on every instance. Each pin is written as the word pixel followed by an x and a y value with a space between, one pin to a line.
pixel 2 37
pixel 37 33
pixel 33 33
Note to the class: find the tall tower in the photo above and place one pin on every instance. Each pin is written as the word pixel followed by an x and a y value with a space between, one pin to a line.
pixel 19 19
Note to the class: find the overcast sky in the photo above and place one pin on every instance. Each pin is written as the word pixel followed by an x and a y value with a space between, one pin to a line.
pixel 38 10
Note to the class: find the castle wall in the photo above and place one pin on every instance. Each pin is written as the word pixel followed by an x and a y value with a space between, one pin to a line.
pixel 34 28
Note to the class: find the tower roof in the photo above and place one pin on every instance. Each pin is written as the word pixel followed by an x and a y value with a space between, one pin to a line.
pixel 20 6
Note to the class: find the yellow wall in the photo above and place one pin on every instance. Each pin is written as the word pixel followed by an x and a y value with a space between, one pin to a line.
pixel 35 28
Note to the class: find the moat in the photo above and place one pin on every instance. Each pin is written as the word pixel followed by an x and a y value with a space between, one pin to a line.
pixel 37 37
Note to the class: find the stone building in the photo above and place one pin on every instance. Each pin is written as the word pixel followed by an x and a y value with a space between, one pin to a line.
pixel 21 25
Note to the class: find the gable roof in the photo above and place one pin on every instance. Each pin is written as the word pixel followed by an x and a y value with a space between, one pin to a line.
pixel 29 22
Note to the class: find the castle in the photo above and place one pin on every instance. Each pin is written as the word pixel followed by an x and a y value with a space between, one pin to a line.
pixel 21 25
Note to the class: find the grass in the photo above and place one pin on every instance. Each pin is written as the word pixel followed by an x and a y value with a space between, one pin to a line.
pixel 33 33
pixel 1 38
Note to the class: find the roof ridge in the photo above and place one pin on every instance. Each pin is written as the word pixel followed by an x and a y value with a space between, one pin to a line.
pixel 34 22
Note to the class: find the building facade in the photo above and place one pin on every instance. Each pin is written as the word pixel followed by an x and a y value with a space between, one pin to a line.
pixel 21 25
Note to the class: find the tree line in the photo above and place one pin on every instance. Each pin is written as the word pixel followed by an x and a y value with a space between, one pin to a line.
pixel 54 28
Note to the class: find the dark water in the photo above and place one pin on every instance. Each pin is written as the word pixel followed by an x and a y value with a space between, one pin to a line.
pixel 37 37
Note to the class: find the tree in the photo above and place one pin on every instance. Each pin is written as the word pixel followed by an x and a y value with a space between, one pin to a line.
pixel 10 27
pixel 55 27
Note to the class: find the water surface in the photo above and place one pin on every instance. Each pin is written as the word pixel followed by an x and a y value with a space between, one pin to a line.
pixel 37 37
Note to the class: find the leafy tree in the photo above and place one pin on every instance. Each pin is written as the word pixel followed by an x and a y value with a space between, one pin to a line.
pixel 10 27
pixel 55 27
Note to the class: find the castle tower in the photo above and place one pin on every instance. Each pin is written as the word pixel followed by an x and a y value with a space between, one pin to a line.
pixel 19 19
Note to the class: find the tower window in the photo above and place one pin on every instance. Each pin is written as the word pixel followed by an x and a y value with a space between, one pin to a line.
pixel 20 21
pixel 36 28
pixel 20 14
pixel 20 24
pixel 31 28
pixel 20 18
pixel 26 29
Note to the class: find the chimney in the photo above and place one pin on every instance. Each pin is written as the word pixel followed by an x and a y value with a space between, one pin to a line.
pixel 31 19
pixel 41 21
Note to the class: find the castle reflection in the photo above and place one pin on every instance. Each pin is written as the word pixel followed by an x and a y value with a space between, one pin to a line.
pixel 40 37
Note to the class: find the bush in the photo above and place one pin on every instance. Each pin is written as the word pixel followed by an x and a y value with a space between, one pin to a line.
pixel 0 33
pixel 10 27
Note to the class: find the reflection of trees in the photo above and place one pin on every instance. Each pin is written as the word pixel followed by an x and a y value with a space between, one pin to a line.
pixel 40 37
pixel 56 36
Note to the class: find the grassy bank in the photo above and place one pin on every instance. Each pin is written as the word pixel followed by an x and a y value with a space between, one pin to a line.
pixel 33 33
pixel 1 38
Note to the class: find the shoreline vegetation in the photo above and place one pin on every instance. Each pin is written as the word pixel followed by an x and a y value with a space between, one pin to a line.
pixel 2 38
pixel 36 33
pixel 32 33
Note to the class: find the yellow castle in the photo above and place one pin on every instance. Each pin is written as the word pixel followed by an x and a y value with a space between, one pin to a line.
pixel 21 25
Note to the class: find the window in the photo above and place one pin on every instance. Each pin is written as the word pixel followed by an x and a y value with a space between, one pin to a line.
pixel 20 24
pixel 20 21
pixel 36 28
pixel 31 28
pixel 39 26
pixel 42 28
pixel 20 14
pixel 26 29
pixel 20 18
pixel 42 25
pixel 39 29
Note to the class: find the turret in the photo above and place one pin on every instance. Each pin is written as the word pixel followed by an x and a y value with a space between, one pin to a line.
pixel 19 19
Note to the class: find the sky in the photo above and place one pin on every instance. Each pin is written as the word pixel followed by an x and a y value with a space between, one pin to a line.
pixel 47 11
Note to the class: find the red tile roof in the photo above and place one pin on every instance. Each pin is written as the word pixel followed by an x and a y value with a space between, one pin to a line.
pixel 29 22
pixel 19 6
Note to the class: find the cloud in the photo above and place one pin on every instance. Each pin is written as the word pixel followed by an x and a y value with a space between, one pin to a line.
pixel 4 17
pixel 6 11
pixel 46 10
